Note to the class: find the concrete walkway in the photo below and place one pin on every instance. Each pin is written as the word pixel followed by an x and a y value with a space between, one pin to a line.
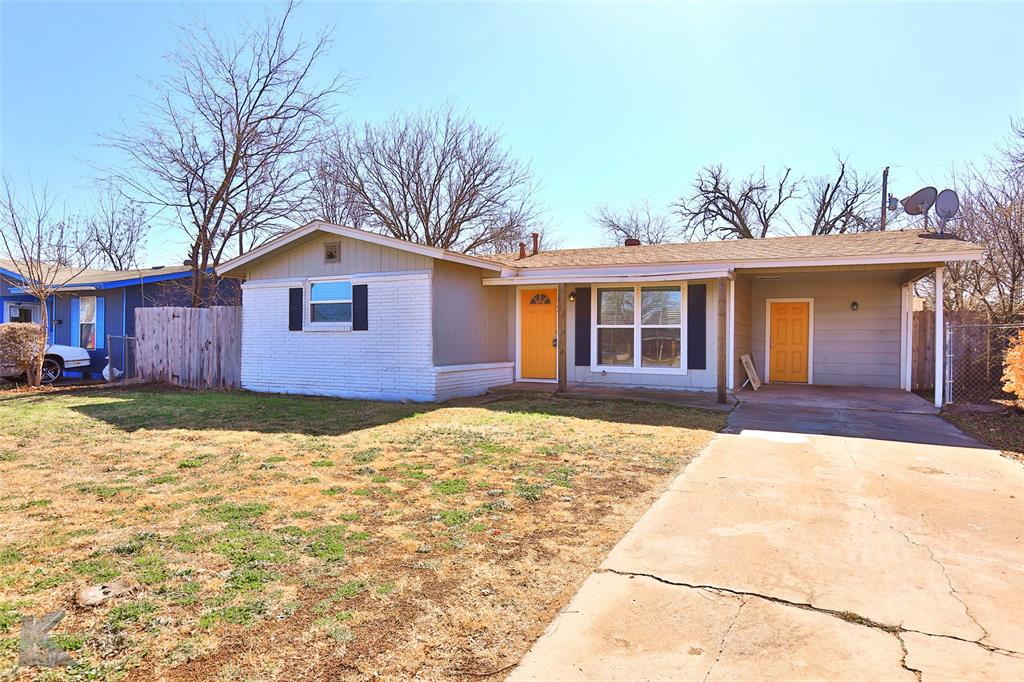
pixel 837 398
pixel 784 555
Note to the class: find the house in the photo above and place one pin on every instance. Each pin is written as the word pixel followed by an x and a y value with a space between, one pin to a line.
pixel 94 304
pixel 336 311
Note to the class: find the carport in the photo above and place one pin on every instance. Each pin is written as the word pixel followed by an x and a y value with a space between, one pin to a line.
pixel 840 325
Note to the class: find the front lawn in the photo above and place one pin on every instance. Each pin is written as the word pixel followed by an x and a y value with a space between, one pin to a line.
pixel 273 537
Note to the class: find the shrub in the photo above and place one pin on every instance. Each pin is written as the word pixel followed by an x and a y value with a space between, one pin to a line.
pixel 1014 367
pixel 19 347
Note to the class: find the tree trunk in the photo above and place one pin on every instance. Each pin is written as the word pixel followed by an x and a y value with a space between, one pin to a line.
pixel 35 373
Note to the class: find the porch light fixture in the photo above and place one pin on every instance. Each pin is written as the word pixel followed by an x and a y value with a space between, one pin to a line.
pixel 854 306
pixel 572 297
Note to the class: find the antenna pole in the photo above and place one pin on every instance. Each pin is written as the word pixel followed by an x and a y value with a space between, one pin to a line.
pixel 885 194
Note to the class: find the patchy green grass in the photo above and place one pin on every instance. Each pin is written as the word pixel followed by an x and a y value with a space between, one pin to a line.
pixel 282 537
pixel 453 486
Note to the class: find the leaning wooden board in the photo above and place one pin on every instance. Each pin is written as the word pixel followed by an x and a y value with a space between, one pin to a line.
pixel 748 365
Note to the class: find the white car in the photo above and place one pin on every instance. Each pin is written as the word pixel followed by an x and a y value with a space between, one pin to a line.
pixel 58 358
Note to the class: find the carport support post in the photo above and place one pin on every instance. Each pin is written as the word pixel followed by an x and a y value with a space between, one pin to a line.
pixel 563 303
pixel 723 351
pixel 940 335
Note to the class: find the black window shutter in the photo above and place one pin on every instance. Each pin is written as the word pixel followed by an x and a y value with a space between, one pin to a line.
pixel 696 326
pixel 360 321
pixel 295 309
pixel 583 327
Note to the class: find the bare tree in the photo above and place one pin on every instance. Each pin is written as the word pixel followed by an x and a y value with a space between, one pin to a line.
pixel 221 146
pixel 118 229
pixel 46 251
pixel 992 213
pixel 435 178
pixel 328 198
pixel 1012 152
pixel 637 221
pixel 718 207
pixel 845 202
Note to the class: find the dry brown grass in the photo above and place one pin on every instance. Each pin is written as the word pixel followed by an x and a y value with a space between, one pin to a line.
pixel 302 538
pixel 1002 429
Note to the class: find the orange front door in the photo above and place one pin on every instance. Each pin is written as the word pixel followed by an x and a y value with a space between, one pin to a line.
pixel 789 341
pixel 538 322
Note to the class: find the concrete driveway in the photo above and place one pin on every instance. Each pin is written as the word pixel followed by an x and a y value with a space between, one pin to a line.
pixel 782 554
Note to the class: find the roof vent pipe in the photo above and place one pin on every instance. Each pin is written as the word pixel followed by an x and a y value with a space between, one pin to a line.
pixel 536 242
pixel 522 250
pixel 632 241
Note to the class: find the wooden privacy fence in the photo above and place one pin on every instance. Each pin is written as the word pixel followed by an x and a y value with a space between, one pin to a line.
pixel 191 347
pixel 922 373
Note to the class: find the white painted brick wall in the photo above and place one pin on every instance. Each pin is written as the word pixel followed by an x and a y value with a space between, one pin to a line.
pixel 392 360
pixel 472 380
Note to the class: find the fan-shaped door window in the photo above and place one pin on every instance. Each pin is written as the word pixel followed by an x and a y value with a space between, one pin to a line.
pixel 540 299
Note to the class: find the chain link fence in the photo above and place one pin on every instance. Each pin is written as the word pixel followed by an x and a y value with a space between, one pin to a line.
pixel 975 358
pixel 122 359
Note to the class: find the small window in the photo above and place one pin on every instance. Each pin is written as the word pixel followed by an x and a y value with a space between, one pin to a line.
pixel 330 302
pixel 540 299
pixel 661 332
pixel 20 313
pixel 332 252
pixel 644 336
pixel 615 340
pixel 87 321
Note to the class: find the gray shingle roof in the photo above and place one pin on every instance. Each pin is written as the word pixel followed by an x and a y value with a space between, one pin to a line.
pixel 890 243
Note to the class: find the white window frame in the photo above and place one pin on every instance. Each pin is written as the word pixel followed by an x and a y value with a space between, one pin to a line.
pixel 34 307
pixel 307 313
pixel 95 311
pixel 637 328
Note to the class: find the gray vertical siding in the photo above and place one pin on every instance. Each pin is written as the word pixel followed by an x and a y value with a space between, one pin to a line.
pixel 742 338
pixel 470 321
pixel 307 260
pixel 851 348
pixel 62 312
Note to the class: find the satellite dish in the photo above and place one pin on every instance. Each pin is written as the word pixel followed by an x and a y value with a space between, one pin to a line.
pixel 946 206
pixel 920 201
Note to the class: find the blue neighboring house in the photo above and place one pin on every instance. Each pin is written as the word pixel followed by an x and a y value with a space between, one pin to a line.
pixel 100 303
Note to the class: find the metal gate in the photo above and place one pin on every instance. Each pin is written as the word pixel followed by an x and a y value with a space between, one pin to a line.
pixel 122 359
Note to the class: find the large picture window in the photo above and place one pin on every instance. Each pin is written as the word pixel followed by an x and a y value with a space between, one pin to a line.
pixel 330 302
pixel 87 321
pixel 639 327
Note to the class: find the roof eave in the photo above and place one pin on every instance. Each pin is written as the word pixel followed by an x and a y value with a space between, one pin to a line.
pixel 760 263
pixel 361 235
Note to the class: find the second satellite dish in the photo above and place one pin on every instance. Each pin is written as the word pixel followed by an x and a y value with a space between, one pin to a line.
pixel 920 201
pixel 947 204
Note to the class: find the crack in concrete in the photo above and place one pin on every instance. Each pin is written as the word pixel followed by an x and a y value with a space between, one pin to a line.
pixel 931 554
pixel 725 637
pixel 952 590
pixel 848 616
pixel 903 659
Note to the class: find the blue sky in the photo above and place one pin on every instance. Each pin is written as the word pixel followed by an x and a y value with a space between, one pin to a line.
pixel 608 102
